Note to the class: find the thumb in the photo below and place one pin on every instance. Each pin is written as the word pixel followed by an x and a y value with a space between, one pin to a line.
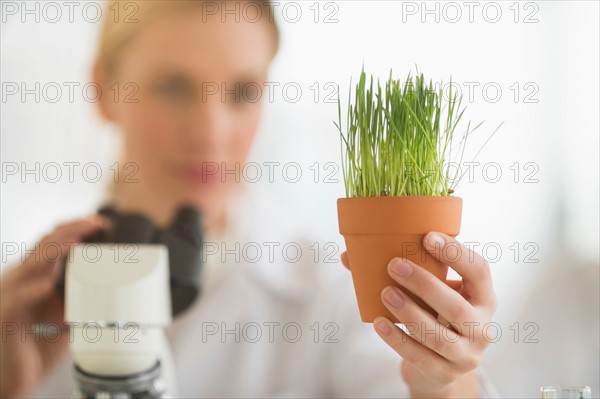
pixel 344 258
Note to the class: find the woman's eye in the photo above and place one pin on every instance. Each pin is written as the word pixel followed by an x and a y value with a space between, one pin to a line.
pixel 175 89
pixel 248 92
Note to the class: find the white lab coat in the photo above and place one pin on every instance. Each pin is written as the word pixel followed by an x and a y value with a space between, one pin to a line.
pixel 265 327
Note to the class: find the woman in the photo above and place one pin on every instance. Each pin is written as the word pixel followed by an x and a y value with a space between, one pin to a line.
pixel 170 61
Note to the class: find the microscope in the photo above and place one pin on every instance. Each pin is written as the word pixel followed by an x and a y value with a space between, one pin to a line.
pixel 122 287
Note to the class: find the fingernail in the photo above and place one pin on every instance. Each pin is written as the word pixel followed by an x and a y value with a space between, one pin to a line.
pixel 401 267
pixel 435 241
pixel 382 326
pixel 392 296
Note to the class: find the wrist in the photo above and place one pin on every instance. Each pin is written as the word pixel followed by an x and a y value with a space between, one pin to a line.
pixel 466 386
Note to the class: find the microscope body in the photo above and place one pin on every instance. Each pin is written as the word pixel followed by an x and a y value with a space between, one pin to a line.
pixel 121 291
pixel 118 303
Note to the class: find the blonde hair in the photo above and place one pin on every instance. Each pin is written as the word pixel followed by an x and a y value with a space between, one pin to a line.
pixel 123 19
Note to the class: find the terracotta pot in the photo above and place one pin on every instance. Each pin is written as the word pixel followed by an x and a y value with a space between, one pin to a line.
pixel 377 229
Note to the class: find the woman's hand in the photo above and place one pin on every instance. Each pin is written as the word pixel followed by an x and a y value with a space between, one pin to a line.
pixel 440 355
pixel 27 296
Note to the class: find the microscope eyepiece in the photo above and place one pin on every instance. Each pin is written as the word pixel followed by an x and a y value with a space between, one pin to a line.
pixel 183 239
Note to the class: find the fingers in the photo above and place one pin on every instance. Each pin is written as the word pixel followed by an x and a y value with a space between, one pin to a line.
pixel 55 246
pixel 18 296
pixel 454 284
pixel 426 330
pixel 428 362
pixel 34 279
pixel 31 292
pixel 474 269
pixel 344 258
pixel 446 301
pixel 81 228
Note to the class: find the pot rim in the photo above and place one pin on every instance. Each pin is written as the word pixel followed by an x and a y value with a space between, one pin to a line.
pixel 399 215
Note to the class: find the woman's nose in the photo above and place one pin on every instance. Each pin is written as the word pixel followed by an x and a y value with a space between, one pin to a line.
pixel 207 124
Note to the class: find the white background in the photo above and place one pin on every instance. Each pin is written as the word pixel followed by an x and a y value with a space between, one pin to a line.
pixel 556 53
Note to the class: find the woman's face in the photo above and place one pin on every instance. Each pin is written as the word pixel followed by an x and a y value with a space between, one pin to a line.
pixel 188 103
